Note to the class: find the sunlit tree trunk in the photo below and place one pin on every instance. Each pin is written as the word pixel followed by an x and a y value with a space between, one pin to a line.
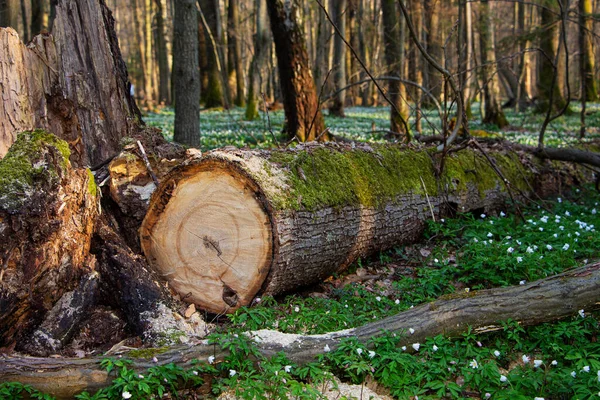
pixel 234 53
pixel 547 83
pixel 25 32
pixel 393 55
pixel 37 16
pixel 323 51
pixel 493 113
pixel 164 75
pixel 256 81
pixel 304 120
pixel 186 79
pixel 8 13
pixel 434 47
pixel 149 94
pixel 587 51
pixel 338 14
pixel 213 95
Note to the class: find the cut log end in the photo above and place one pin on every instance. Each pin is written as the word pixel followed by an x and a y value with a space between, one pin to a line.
pixel 212 240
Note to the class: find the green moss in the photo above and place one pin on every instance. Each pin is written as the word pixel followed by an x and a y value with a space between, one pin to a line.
pixel 25 164
pixel 147 353
pixel 379 174
pixel 92 188
pixel 328 177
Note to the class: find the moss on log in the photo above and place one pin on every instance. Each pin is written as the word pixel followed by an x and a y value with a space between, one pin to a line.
pixel 235 223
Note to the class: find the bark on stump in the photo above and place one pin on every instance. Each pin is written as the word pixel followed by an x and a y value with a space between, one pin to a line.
pixel 236 223
pixel 47 216
pixel 73 83
pixel 546 300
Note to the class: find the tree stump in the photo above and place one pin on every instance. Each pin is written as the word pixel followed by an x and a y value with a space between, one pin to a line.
pixel 47 216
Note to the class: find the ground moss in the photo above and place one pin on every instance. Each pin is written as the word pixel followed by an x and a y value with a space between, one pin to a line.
pixel 24 164
pixel 147 353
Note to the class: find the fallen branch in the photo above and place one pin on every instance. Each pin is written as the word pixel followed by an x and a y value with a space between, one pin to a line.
pixel 546 300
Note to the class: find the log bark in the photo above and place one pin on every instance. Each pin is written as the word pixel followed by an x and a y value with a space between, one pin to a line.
pixel 233 224
pixel 77 89
pixel 546 300
pixel 47 215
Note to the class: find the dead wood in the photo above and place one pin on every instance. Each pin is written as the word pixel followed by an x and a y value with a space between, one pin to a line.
pixel 235 223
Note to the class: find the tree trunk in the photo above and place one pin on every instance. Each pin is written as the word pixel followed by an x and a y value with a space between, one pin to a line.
pixel 214 95
pixel 323 57
pixel 434 48
pixel 234 52
pixel 24 21
pixel 493 113
pixel 393 42
pixel 164 93
pixel 47 216
pixel 304 120
pixel 37 16
pixel 81 99
pixel 289 218
pixel 586 51
pixel 149 89
pixel 8 13
pixel 259 61
pixel 339 16
pixel 547 300
pixel 547 83
pixel 186 78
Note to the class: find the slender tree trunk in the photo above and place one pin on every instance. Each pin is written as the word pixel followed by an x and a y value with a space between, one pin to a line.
pixel 493 113
pixel 186 79
pixel 164 75
pixel 37 16
pixel 304 120
pixel 547 83
pixel 235 51
pixel 434 47
pixel 365 51
pixel 8 14
pixel 24 21
pixel 586 51
pixel 259 60
pixel 393 55
pixel 149 95
pixel 338 14
pixel 213 95
pixel 323 57
pixel 139 73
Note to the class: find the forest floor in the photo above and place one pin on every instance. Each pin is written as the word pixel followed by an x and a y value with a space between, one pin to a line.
pixel 228 128
pixel 471 252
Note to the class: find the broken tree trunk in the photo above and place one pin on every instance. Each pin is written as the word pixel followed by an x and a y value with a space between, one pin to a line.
pixel 47 215
pixel 546 300
pixel 236 223
pixel 73 83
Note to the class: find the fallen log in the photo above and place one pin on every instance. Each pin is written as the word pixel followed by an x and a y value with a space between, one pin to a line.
pixel 545 300
pixel 235 223
pixel 47 215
